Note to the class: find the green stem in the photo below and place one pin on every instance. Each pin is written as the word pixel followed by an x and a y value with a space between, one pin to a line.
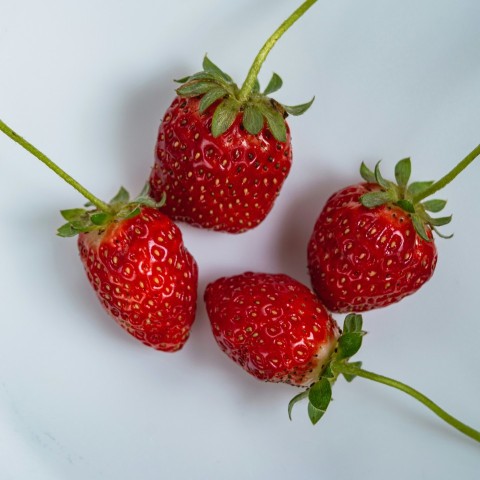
pixel 50 164
pixel 252 75
pixel 449 176
pixel 359 372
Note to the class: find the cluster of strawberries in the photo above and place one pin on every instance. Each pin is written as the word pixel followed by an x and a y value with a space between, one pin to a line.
pixel 222 155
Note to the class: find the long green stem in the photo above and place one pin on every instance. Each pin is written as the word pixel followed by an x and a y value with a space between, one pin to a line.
pixel 449 176
pixel 252 75
pixel 50 164
pixel 359 372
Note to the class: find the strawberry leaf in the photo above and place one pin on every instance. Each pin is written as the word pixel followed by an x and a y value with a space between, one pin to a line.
pixel 442 235
pixel 416 188
pixel 211 68
pixel 296 110
pixel 403 170
pixel 420 227
pixel 192 89
pixel 352 323
pixel 379 179
pixel 223 117
pixel 256 86
pixel 294 400
pixel 375 199
pixel 211 97
pixel 314 414
pixel 252 119
pixel 100 218
pixel 349 377
pixel 121 197
pixel 276 123
pixel 67 230
pixel 406 205
pixel 320 394
pixel 438 222
pixel 274 84
pixel 367 174
pixel 72 214
pixel 434 205
pixel 349 344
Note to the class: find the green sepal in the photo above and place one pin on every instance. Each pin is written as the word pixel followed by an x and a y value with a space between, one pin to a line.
pixel 193 89
pixel 406 205
pixel 252 119
pixel 379 178
pixel 274 84
pixel 67 230
pixel 349 377
pixel 72 213
pixel 210 67
pixel 224 116
pixel 297 110
pixel 434 205
pixel 419 226
pixel 416 188
pixel 403 170
pixel 211 97
pixel 121 197
pixel 353 323
pixel 256 86
pixel 367 174
pixel 276 122
pixel 438 222
pixel 320 394
pixel 375 199
pixel 349 344
pixel 100 218
pixel 314 414
pixel 294 400
pixel 442 235
pixel 132 213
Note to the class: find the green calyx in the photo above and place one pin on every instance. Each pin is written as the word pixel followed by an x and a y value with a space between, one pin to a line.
pixel 120 208
pixel 319 394
pixel 407 196
pixel 214 85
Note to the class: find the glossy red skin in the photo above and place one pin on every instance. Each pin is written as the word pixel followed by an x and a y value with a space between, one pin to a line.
pixel 144 277
pixel 227 183
pixel 361 258
pixel 272 326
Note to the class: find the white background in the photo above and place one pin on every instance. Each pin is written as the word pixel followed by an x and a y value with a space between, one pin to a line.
pixel 87 82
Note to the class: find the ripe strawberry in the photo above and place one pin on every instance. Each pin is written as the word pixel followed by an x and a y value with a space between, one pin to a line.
pixel 277 330
pixel 223 152
pixel 372 244
pixel 134 259
pixel 272 326
pixel 144 277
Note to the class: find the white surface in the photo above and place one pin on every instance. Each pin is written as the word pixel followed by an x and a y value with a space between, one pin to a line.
pixel 87 82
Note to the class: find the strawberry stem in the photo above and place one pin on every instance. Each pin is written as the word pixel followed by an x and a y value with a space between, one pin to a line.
pixel 353 370
pixel 252 75
pixel 448 177
pixel 53 166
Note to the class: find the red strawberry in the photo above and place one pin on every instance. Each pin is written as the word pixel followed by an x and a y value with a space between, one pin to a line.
pixel 144 277
pixel 372 244
pixel 223 152
pixel 277 330
pixel 134 259
pixel 272 326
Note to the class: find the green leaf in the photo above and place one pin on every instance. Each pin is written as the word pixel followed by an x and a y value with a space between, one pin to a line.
pixel 121 197
pixel 438 222
pixel 352 323
pixel 403 170
pixel 195 88
pixel 276 122
pixel 297 110
pixel 252 119
pixel 67 231
pixel 320 394
pixel 367 174
pixel 420 227
pixel 181 80
pixel 375 199
pixel 348 376
pixel 223 117
pixel 211 97
pixel 349 344
pixel 100 218
pixel 434 205
pixel 416 188
pixel 406 205
pixel 314 414
pixel 294 400
pixel 442 235
pixel 274 84
pixel 72 213
pixel 256 86
pixel 210 67
pixel 133 212
pixel 378 177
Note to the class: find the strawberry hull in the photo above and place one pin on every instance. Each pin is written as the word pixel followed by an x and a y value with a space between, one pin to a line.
pixel 144 277
pixel 228 183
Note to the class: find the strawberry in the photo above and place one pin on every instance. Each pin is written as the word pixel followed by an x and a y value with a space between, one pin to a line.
pixel 272 326
pixel 223 152
pixel 134 259
pixel 373 243
pixel 277 330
